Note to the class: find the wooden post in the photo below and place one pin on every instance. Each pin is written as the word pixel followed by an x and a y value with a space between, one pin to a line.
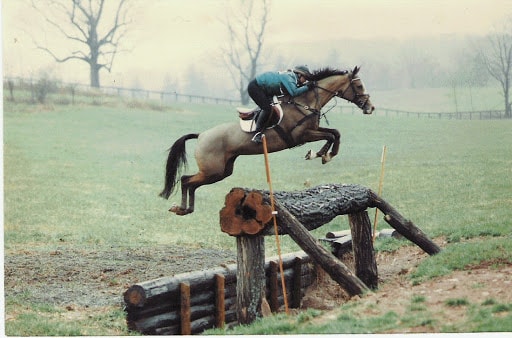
pixel 297 283
pixel 220 313
pixel 362 245
pixel 273 286
pixel 185 308
pixel 250 283
pixel 405 227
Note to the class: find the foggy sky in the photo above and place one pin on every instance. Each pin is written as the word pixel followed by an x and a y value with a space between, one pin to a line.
pixel 168 36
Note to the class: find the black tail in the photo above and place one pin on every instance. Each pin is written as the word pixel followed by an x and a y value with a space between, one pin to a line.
pixel 176 160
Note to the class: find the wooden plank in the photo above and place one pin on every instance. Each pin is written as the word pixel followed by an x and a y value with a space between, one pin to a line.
pixel 336 234
pixel 220 307
pixel 273 286
pixel 185 308
pixel 297 284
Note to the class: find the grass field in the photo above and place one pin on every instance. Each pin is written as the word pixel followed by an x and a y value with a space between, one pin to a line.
pixel 89 176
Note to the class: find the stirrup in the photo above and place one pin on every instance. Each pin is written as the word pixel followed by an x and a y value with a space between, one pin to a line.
pixel 258 137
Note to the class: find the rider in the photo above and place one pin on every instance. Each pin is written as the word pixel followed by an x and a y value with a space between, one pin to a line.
pixel 266 85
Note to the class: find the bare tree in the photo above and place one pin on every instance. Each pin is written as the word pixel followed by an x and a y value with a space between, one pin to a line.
pixel 496 55
pixel 94 27
pixel 246 29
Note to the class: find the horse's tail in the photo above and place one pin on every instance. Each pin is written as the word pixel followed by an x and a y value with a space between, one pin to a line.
pixel 176 160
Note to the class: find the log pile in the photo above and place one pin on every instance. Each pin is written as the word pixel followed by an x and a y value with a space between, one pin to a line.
pixel 341 241
pixel 247 215
pixel 313 208
pixel 190 303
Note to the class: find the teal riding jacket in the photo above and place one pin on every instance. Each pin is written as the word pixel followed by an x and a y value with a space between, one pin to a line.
pixel 274 82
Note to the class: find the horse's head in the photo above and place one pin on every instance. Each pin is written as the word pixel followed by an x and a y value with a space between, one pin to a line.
pixel 356 92
pixel 345 84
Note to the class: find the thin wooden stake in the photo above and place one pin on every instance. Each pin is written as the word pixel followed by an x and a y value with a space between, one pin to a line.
pixel 276 231
pixel 381 181
pixel 185 308
pixel 220 307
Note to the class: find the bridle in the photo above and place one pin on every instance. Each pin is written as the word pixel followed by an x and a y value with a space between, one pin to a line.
pixel 359 100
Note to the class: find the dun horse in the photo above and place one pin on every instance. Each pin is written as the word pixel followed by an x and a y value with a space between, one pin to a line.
pixel 217 148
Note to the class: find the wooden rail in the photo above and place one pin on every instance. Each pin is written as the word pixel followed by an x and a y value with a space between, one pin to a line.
pixel 190 303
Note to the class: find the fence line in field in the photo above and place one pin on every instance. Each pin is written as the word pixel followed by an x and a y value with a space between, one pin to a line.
pixel 68 91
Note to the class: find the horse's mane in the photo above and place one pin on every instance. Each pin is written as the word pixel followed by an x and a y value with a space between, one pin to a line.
pixel 322 73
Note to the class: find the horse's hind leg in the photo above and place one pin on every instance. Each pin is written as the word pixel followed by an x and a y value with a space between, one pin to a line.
pixel 183 209
pixel 189 184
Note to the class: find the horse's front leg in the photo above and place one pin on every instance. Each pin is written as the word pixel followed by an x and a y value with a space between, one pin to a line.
pixel 321 153
pixel 335 144
pixel 318 135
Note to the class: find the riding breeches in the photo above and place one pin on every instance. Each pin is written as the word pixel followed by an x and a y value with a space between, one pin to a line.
pixel 259 96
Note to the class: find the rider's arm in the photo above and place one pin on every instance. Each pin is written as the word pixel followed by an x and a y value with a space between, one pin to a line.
pixel 289 81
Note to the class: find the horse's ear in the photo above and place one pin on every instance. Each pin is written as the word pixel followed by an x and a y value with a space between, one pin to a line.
pixel 355 71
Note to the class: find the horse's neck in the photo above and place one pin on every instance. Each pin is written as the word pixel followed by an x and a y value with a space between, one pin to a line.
pixel 327 89
pixel 331 86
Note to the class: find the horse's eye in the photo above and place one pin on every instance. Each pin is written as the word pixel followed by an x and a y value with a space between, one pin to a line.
pixel 360 87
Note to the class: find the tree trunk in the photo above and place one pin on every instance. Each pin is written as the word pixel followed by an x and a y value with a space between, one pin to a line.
pixel 95 75
pixel 364 255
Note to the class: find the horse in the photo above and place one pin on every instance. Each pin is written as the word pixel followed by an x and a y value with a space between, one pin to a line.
pixel 217 148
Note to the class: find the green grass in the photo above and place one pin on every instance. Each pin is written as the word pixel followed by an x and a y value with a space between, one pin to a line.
pixel 89 176
pixel 40 320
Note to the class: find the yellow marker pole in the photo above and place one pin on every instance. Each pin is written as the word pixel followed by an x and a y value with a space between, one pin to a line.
pixel 274 213
pixel 381 181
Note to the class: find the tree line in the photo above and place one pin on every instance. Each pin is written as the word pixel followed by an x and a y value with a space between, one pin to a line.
pixel 98 36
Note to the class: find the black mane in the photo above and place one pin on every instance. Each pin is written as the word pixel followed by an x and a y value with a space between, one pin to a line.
pixel 322 73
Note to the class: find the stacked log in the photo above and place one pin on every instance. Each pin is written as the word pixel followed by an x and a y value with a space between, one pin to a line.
pixel 156 307
pixel 341 241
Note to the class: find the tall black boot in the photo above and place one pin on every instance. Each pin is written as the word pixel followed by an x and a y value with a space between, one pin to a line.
pixel 260 125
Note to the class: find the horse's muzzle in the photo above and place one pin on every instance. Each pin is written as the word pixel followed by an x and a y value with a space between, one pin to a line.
pixel 368 109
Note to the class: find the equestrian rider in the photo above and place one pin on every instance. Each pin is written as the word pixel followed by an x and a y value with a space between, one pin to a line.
pixel 266 85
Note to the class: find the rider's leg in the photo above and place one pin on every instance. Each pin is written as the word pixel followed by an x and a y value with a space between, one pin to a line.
pixel 259 96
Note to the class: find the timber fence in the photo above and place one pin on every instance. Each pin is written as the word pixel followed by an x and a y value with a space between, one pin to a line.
pixel 190 303
pixel 36 90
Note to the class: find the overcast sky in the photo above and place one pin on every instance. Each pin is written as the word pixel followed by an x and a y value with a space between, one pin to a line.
pixel 169 35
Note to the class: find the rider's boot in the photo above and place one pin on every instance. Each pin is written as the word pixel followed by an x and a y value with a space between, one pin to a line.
pixel 260 125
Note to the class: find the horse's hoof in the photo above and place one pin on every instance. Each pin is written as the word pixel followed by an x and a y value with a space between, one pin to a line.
pixel 309 155
pixel 326 159
pixel 179 210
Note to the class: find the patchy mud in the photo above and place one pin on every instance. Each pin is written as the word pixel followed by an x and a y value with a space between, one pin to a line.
pixel 92 278
pixel 80 280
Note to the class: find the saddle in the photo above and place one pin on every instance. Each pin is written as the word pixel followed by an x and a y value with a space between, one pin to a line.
pixel 249 116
